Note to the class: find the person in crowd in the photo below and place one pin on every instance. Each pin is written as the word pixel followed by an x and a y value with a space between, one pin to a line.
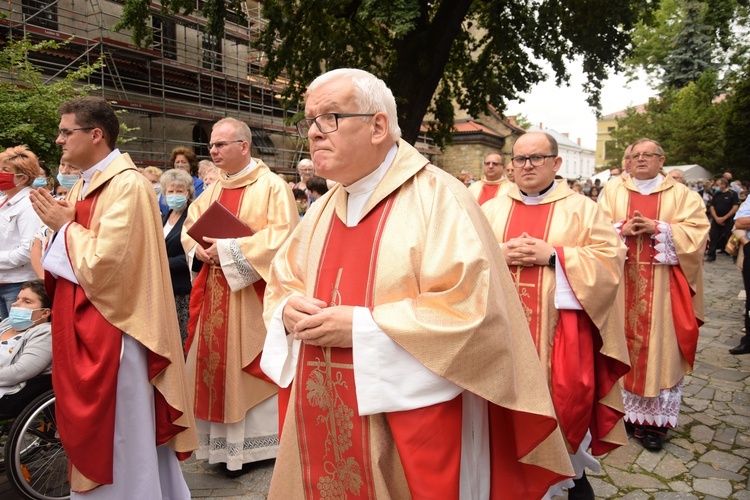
pixel 153 174
pixel 665 229
pixel 235 404
pixel 122 405
pixel 316 188
pixel 577 188
pixel 722 208
pixel 594 193
pixel 493 183
pixel 567 261
pixel 67 176
pixel 203 167
pixel 25 349
pixel 179 190
pixel 43 179
pixel 742 232
pixel 210 176
pixel 306 171
pixel 627 167
pixel 677 175
pixel 185 159
pixel 18 222
pixel 381 309
pixel 510 173
pixel 465 178
pixel 300 197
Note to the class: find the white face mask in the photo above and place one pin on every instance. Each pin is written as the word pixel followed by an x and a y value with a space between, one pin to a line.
pixel 157 188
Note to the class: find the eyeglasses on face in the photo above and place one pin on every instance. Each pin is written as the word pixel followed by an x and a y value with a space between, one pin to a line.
pixel 64 133
pixel 222 144
pixel 326 122
pixel 645 156
pixel 535 160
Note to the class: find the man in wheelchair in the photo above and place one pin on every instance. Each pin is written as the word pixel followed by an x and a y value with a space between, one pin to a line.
pixel 25 350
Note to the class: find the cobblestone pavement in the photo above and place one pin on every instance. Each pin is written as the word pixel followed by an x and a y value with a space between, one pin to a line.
pixel 706 456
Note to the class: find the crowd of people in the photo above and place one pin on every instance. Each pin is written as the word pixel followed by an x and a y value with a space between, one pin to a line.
pixel 404 334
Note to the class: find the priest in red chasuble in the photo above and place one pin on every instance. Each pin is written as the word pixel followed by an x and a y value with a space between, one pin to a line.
pixel 664 226
pixel 395 326
pixel 236 407
pixel 493 184
pixel 566 261
pixel 123 406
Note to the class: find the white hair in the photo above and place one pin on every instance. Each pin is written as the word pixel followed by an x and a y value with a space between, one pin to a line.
pixel 371 94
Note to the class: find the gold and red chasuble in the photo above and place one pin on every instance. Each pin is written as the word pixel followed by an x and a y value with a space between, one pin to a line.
pixel 85 361
pixel 489 191
pixel 209 305
pixel 535 221
pixel 639 290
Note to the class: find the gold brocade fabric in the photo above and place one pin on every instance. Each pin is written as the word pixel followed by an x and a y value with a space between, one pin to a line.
pixel 269 209
pixel 476 188
pixel 442 292
pixel 594 257
pixel 684 211
pixel 124 251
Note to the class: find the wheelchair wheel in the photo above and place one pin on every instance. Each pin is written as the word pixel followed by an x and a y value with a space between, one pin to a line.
pixel 36 464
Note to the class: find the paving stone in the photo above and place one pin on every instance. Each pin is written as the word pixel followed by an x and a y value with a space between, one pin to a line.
pixel 742 495
pixel 602 489
pixel 719 488
pixel 680 486
pixel 730 375
pixel 723 460
pixel 624 479
pixel 623 457
pixel 743 453
pixel 674 495
pixel 741 410
pixel 706 393
pixel 700 448
pixel 635 495
pixel 225 493
pixel 648 459
pixel 726 435
pixel 206 481
pixel 706 419
pixel 701 434
pixel 703 470
pixel 669 467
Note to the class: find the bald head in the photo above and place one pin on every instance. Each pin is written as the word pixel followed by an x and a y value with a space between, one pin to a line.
pixel 677 175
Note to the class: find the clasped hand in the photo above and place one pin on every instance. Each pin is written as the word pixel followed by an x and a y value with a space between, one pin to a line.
pixel 527 251
pixel 315 323
pixel 54 213
pixel 638 225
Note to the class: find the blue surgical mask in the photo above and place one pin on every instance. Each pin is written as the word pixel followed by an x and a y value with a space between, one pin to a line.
pixel 20 318
pixel 67 180
pixel 39 182
pixel 176 201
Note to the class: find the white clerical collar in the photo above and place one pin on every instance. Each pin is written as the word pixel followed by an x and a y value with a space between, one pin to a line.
pixel 536 199
pixel 249 168
pixel 647 186
pixel 361 191
pixel 88 174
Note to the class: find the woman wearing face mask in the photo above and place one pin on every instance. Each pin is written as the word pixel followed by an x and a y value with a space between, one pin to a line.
pixel 25 349
pixel 67 176
pixel 178 190
pixel 18 222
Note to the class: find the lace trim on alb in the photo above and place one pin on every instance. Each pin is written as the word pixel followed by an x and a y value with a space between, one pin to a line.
pixel 661 411
pixel 664 245
pixel 234 454
pixel 246 272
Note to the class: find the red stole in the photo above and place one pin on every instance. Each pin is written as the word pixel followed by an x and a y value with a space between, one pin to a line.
pixel 209 308
pixel 334 439
pixel 488 192
pixel 639 298
pixel 86 361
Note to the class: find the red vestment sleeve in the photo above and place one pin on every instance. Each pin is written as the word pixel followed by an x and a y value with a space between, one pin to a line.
pixel 685 323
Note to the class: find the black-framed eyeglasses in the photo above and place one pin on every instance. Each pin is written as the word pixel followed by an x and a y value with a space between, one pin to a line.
pixel 645 156
pixel 535 160
pixel 65 132
pixel 221 144
pixel 326 122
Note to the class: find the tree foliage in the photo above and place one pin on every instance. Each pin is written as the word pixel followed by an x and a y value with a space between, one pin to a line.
pixel 736 126
pixel 433 54
pixel 693 50
pixel 688 123
pixel 28 103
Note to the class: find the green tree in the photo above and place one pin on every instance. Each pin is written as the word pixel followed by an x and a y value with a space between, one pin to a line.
pixel 692 54
pixel 28 103
pixel 435 53
pixel 736 126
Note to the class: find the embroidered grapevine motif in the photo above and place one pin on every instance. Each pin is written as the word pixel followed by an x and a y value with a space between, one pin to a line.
pixel 213 322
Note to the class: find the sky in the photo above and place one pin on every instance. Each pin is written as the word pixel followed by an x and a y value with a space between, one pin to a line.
pixel 565 109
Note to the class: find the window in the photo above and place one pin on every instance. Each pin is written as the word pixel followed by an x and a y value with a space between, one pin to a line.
pixel 263 142
pixel 212 53
pixel 165 36
pixel 41 13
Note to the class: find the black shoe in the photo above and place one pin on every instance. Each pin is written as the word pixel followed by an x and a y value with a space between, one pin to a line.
pixel 709 258
pixel 741 349
pixel 582 489
pixel 237 473
pixel 654 438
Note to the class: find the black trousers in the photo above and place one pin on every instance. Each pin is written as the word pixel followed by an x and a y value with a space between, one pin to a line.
pixel 718 236
pixel 746 280
pixel 12 405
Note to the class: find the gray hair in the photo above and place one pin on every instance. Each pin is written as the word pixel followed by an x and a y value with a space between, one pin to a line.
pixel 243 131
pixel 659 149
pixel 178 178
pixel 371 94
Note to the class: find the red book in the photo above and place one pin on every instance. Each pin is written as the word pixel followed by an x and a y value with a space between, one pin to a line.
pixel 218 222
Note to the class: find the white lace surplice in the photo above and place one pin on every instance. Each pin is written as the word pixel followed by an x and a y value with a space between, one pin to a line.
pixel 661 411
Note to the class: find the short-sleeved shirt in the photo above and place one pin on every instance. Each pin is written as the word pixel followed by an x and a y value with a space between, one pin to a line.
pixel 724 201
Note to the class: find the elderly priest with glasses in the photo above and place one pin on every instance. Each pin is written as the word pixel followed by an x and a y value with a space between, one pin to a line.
pixel 394 325
pixel 664 226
